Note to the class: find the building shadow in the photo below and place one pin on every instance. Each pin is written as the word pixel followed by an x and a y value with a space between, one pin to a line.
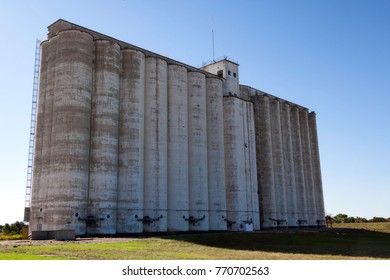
pixel 334 242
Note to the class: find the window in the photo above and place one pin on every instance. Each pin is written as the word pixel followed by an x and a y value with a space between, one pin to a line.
pixel 220 73
pixel 234 75
pixel 229 73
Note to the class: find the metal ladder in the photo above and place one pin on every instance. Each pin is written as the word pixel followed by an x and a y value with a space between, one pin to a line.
pixel 32 133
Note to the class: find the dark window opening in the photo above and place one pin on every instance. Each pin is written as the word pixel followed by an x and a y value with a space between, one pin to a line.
pixel 220 73
pixel 234 75
pixel 229 72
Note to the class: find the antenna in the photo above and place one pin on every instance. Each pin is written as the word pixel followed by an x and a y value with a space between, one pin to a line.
pixel 212 33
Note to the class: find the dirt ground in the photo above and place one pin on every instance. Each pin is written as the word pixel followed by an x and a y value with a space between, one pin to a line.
pixel 20 243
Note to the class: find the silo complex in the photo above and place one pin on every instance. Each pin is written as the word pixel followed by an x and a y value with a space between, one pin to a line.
pixel 129 141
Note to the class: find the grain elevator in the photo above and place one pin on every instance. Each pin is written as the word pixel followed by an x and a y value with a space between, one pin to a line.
pixel 129 141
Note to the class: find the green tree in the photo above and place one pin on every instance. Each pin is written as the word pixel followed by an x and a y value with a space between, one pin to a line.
pixel 340 218
pixel 377 220
pixel 14 228
pixel 6 229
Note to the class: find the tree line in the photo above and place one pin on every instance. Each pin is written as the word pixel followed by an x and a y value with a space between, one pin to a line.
pixel 344 218
pixel 12 229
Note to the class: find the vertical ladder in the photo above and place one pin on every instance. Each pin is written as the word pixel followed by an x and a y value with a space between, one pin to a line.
pixel 32 133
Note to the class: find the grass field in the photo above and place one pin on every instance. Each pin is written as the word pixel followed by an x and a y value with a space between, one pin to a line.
pixel 341 242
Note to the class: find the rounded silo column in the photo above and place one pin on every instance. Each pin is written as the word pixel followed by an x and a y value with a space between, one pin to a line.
pixel 236 196
pixel 307 167
pixel 71 131
pixel 178 190
pixel 265 172
pixel 103 174
pixel 319 196
pixel 288 159
pixel 131 143
pixel 278 164
pixel 251 166
pixel 299 173
pixel 156 145
pixel 216 155
pixel 197 152
pixel 40 165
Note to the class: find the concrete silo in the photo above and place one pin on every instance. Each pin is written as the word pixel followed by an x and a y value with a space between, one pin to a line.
pixel 103 174
pixel 315 152
pixel 278 164
pixel 299 173
pixel 178 185
pixel 265 170
pixel 60 202
pixel 216 155
pixel 197 153
pixel 156 145
pixel 131 143
pixel 308 167
pixel 288 159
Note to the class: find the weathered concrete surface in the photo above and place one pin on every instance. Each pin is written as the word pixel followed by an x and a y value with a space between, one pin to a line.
pixel 265 171
pixel 197 145
pixel 216 155
pixel 251 165
pixel 278 164
pixel 131 143
pixel 66 135
pixel 308 168
pixel 126 143
pixel 298 167
pixel 236 200
pixel 156 144
pixel 178 185
pixel 103 174
pixel 288 159
pixel 315 152
pixel 39 163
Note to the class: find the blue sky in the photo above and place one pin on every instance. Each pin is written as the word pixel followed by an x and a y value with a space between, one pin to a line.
pixel 330 56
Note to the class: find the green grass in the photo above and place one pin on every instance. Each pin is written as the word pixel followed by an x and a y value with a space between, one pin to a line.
pixel 331 244
pixel 10 237
pixel 382 227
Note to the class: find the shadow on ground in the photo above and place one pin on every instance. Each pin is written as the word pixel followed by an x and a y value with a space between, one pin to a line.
pixel 338 242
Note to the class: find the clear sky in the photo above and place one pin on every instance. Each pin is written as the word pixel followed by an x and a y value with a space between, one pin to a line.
pixel 330 56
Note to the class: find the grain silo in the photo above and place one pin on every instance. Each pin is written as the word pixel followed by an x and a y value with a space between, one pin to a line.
pixel 129 141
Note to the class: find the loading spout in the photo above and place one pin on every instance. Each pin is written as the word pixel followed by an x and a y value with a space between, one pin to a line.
pixel 279 222
pixel 148 220
pixel 192 220
pixel 302 222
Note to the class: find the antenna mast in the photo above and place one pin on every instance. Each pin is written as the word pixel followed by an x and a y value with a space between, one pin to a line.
pixel 212 32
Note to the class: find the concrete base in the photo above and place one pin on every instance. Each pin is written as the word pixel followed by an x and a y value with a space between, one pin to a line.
pixel 53 234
